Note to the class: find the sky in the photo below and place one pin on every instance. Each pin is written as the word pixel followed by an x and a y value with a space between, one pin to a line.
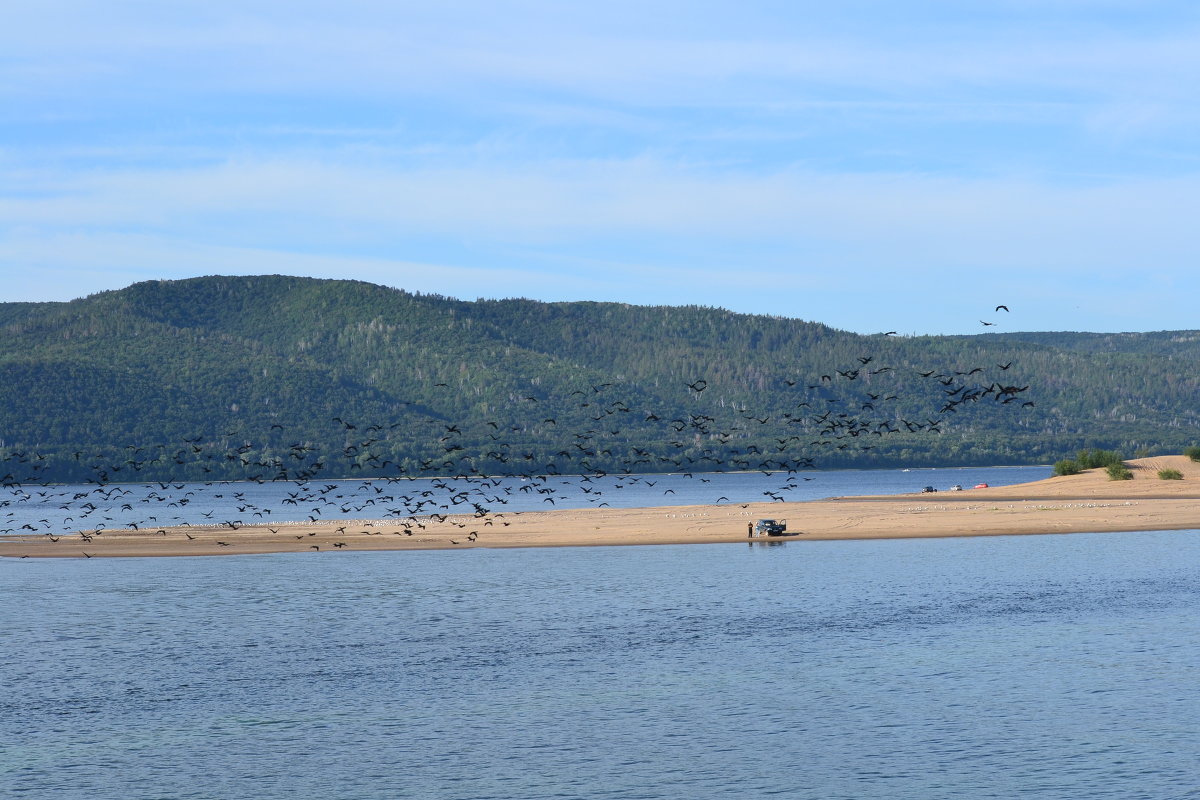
pixel 872 165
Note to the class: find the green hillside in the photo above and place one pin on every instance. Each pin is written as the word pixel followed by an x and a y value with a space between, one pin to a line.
pixel 278 377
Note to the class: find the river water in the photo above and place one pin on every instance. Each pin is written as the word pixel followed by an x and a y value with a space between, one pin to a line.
pixel 998 667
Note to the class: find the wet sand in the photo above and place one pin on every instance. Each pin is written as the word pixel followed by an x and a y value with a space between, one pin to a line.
pixel 1089 502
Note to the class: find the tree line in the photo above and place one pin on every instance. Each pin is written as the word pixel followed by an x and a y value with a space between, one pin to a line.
pixel 268 376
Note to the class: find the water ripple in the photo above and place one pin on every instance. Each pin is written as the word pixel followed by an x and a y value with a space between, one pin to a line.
pixel 1043 667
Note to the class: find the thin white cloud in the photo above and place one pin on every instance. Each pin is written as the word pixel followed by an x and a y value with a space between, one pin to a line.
pixel 914 253
pixel 622 52
pixel 63 267
pixel 1022 221
pixel 41 268
pixel 614 146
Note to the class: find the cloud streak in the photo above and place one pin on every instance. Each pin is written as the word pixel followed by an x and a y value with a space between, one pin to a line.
pixel 847 156
pixel 622 51
pixel 976 219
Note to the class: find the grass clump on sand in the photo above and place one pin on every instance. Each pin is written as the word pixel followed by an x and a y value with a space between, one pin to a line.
pixel 1192 452
pixel 1118 472
pixel 1170 475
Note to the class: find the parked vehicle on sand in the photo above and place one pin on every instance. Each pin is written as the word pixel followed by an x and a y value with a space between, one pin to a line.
pixel 772 527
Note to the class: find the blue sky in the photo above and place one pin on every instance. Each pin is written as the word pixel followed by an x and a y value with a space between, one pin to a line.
pixel 871 165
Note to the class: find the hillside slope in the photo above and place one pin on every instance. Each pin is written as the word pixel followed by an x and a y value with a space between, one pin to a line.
pixel 271 375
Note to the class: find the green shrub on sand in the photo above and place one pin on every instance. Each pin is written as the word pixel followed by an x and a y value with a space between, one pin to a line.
pixel 1118 472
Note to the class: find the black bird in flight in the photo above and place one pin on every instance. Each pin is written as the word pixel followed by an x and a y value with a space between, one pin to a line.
pixel 1005 308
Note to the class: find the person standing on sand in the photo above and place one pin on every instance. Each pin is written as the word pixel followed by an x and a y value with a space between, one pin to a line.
pixel 749 530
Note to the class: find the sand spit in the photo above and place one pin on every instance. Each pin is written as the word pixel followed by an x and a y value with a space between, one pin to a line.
pixel 1071 504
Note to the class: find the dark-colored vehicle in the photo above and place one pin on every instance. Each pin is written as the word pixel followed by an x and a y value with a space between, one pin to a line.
pixel 771 527
pixel 928 489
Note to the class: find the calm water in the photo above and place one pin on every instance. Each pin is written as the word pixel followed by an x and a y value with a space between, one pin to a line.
pixel 1042 667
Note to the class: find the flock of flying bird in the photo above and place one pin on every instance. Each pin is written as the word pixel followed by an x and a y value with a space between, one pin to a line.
pixel 449 487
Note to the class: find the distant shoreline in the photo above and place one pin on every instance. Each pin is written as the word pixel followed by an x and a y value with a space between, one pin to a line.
pixel 1088 502
pixel 449 477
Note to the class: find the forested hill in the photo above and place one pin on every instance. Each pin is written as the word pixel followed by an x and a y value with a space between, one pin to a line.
pixel 271 376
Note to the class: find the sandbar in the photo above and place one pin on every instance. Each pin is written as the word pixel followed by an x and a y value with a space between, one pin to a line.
pixel 1088 502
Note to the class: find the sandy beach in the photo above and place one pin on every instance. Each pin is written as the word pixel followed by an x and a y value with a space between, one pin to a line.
pixel 1088 502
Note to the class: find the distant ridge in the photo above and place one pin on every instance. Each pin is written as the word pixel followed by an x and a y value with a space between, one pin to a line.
pixel 259 364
